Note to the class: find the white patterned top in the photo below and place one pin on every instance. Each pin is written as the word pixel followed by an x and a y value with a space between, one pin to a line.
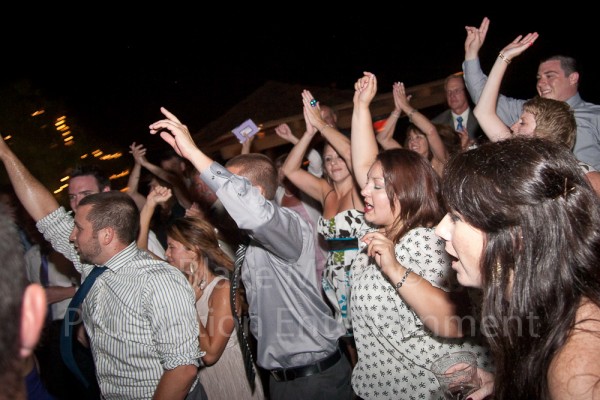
pixel 395 350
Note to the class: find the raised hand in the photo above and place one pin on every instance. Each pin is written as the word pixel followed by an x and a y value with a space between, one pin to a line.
pixel 159 195
pixel 400 97
pixel 138 151
pixel 365 89
pixel 519 45
pixel 284 132
pixel 310 128
pixel 396 95
pixel 175 133
pixel 475 39
pixel 312 113
pixel 247 145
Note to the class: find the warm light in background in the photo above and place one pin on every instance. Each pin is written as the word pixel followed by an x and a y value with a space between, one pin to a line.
pixel 111 156
pixel 119 175
pixel 60 189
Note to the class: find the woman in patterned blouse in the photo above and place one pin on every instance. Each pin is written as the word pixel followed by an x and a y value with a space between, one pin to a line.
pixel 404 312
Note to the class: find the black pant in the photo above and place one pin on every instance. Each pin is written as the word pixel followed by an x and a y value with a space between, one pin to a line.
pixel 57 378
pixel 331 384
pixel 198 393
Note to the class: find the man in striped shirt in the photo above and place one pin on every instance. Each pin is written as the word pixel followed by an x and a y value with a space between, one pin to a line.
pixel 139 315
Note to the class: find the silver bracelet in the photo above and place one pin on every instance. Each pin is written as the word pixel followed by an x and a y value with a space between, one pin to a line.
pixel 399 284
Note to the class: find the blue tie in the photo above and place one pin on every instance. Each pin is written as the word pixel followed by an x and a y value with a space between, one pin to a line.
pixel 459 125
pixel 66 337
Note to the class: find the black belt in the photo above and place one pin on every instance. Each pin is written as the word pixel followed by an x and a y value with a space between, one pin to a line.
pixel 342 244
pixel 289 374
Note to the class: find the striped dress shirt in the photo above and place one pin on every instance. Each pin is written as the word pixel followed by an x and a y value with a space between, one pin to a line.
pixel 140 316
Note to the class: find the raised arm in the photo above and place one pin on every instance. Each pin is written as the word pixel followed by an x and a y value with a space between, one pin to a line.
pixel 385 138
pixel 177 135
pixel 475 39
pixel 315 162
pixel 485 110
pixel 37 200
pixel 424 124
pixel 313 186
pixel 473 74
pixel 180 190
pixel 340 143
pixel 363 142
pixel 247 145
pixel 157 195
pixel 138 152
pixel 508 109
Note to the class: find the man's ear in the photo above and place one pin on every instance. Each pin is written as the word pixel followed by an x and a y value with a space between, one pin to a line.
pixel 33 316
pixel 574 78
pixel 106 235
pixel 262 190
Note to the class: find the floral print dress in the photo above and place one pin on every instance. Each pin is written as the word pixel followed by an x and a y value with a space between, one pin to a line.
pixel 342 232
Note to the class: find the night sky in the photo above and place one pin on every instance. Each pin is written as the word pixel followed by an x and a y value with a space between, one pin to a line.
pixel 114 76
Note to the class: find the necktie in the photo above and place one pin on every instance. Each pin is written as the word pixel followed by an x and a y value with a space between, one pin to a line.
pixel 242 338
pixel 66 337
pixel 459 125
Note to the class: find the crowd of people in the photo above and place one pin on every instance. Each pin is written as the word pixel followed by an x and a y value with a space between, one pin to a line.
pixel 480 233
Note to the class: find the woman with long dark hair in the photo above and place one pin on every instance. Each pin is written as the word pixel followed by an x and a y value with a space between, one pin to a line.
pixel 523 224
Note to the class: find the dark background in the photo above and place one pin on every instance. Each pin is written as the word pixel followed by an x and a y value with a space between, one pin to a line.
pixel 114 71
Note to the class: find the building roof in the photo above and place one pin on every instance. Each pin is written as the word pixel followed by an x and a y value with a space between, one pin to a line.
pixel 268 106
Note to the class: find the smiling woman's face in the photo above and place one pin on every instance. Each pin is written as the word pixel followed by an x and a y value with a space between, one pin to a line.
pixel 335 165
pixel 464 242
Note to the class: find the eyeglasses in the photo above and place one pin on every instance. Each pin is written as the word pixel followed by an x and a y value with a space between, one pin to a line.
pixel 454 92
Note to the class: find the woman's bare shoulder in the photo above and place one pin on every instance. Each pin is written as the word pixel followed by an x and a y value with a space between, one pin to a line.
pixel 575 370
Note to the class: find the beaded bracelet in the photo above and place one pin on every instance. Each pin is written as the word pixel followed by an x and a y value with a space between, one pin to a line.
pixel 395 114
pixel 325 126
pixel 399 284
pixel 504 58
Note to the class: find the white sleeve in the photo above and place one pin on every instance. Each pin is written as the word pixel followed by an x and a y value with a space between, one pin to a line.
pixel 315 163
pixel 154 245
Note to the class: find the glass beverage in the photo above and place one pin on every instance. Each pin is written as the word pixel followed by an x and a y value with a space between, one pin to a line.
pixel 457 374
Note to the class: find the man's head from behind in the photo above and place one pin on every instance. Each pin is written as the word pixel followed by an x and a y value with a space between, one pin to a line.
pixel 258 169
pixel 86 180
pixel 23 309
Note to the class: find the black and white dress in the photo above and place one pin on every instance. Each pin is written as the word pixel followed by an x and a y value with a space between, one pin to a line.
pixel 395 350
